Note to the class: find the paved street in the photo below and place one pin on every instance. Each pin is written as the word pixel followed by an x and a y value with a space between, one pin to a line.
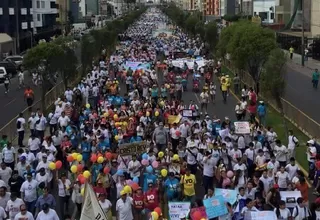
pixel 13 102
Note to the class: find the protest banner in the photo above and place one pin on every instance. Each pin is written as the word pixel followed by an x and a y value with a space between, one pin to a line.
pixel 290 197
pixel 229 195
pixel 177 208
pixel 133 148
pixel 241 127
pixel 215 206
pixel 187 113
pixel 201 210
pixel 262 215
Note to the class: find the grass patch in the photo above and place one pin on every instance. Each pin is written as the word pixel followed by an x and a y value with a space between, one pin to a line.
pixel 275 120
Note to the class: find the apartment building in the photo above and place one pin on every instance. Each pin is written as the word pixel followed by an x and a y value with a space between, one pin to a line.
pixel 16 20
pixel 44 14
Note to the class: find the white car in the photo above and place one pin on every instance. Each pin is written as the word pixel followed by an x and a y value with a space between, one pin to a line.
pixel 16 59
pixel 3 73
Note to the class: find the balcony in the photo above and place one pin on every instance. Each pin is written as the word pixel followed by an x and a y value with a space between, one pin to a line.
pixel 45 11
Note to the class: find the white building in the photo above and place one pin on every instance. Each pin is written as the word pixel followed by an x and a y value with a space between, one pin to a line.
pixel 44 13
pixel 265 9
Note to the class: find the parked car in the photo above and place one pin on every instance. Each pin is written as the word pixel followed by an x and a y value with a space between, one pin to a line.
pixel 3 74
pixel 10 67
pixel 16 59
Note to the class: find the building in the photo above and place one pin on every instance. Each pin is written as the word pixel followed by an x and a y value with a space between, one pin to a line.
pixel 44 15
pixel 315 18
pixel 103 7
pixel 92 7
pixel 63 8
pixel 16 20
pixel 265 9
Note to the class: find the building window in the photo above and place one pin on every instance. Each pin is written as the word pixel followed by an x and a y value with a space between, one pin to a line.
pixel 43 4
pixel 38 4
pixel 53 5
pixel 38 17
pixel 272 15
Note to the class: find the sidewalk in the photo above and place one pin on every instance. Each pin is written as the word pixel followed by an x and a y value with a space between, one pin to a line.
pixel 310 63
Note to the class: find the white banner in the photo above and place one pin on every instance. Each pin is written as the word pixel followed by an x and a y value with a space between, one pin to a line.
pixel 241 127
pixel 178 208
pixel 290 197
pixel 263 215
pixel 91 209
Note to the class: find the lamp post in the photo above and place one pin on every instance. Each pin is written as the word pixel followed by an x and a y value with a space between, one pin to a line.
pixel 17 28
pixel 302 37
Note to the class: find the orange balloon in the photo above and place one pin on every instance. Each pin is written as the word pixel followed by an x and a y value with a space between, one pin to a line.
pixel 135 186
pixel 58 164
pixel 108 155
pixel 70 158
pixel 93 158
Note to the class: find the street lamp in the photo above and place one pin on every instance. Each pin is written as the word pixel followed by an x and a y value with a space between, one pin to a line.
pixel 302 37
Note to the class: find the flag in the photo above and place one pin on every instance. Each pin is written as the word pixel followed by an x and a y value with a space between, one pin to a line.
pixel 91 209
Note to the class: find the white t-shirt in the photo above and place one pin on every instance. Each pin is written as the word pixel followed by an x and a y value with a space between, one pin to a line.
pixel 29 189
pixel 299 213
pixel 184 130
pixel 173 133
pixel 292 170
pixel 208 165
pixel 51 215
pixel 43 178
pixel 63 121
pixel 284 213
pixel 124 208
pixel 283 179
pixel 22 123
pixel 135 166
pixel 267 183
pixel 68 94
pixel 13 207
pixel 27 216
pixel 106 205
pixel 64 188
pixel 3 214
pixel 34 144
pixel 5 174
pixel 8 155
pixel 281 153
pixel 312 150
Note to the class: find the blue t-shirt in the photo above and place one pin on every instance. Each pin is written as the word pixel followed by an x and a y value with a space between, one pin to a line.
pixel 171 186
pixel 95 171
pixel 148 178
pixel 135 139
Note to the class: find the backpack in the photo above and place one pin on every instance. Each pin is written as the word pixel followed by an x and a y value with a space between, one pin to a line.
pixel 305 210
pixel 18 124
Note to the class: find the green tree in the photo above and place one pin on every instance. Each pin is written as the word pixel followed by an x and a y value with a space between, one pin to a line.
pixel 190 24
pixel 211 35
pixel 272 81
pixel 225 37
pixel 250 46
pixel 45 58
pixel 68 62
pixel 87 52
pixel 199 29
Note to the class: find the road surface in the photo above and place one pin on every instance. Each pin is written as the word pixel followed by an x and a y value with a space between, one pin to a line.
pixel 13 103
pixel 299 91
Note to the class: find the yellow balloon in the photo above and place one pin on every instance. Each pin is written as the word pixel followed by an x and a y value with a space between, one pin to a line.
pixel 164 172
pixel 147 114
pixel 161 103
pixel 176 157
pixel 156 113
pixel 86 174
pixel 79 158
pixel 115 116
pixel 74 155
pixel 160 154
pixel 82 191
pixel 116 124
pixel 106 114
pixel 87 105
pixel 100 159
pixel 125 124
pixel 127 189
pixel 116 137
pixel 52 166
pixel 154 215
pixel 74 169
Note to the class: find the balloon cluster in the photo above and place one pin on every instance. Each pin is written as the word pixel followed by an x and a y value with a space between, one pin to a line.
pixel 55 165
pixel 156 213
pixel 74 157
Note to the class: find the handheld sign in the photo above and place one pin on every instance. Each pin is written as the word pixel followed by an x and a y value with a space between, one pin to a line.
pixel 133 148
pixel 242 127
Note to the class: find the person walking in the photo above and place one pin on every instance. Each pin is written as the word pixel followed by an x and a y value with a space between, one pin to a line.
pixel 315 79
pixel 291 50
pixel 21 122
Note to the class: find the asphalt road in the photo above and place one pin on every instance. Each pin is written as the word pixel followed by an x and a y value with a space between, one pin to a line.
pixel 13 103
pixel 299 91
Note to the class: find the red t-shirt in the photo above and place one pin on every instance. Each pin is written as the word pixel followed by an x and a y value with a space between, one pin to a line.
pixel 138 202
pixel 151 196
pixel 99 190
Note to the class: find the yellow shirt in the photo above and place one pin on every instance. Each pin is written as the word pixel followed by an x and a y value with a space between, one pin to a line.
pixel 224 86
pixel 188 184
pixel 291 50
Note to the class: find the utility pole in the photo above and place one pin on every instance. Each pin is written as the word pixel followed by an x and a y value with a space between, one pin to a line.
pixel 16 12
pixel 302 37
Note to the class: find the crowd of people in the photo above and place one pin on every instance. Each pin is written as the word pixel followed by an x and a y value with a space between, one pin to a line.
pixel 129 130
